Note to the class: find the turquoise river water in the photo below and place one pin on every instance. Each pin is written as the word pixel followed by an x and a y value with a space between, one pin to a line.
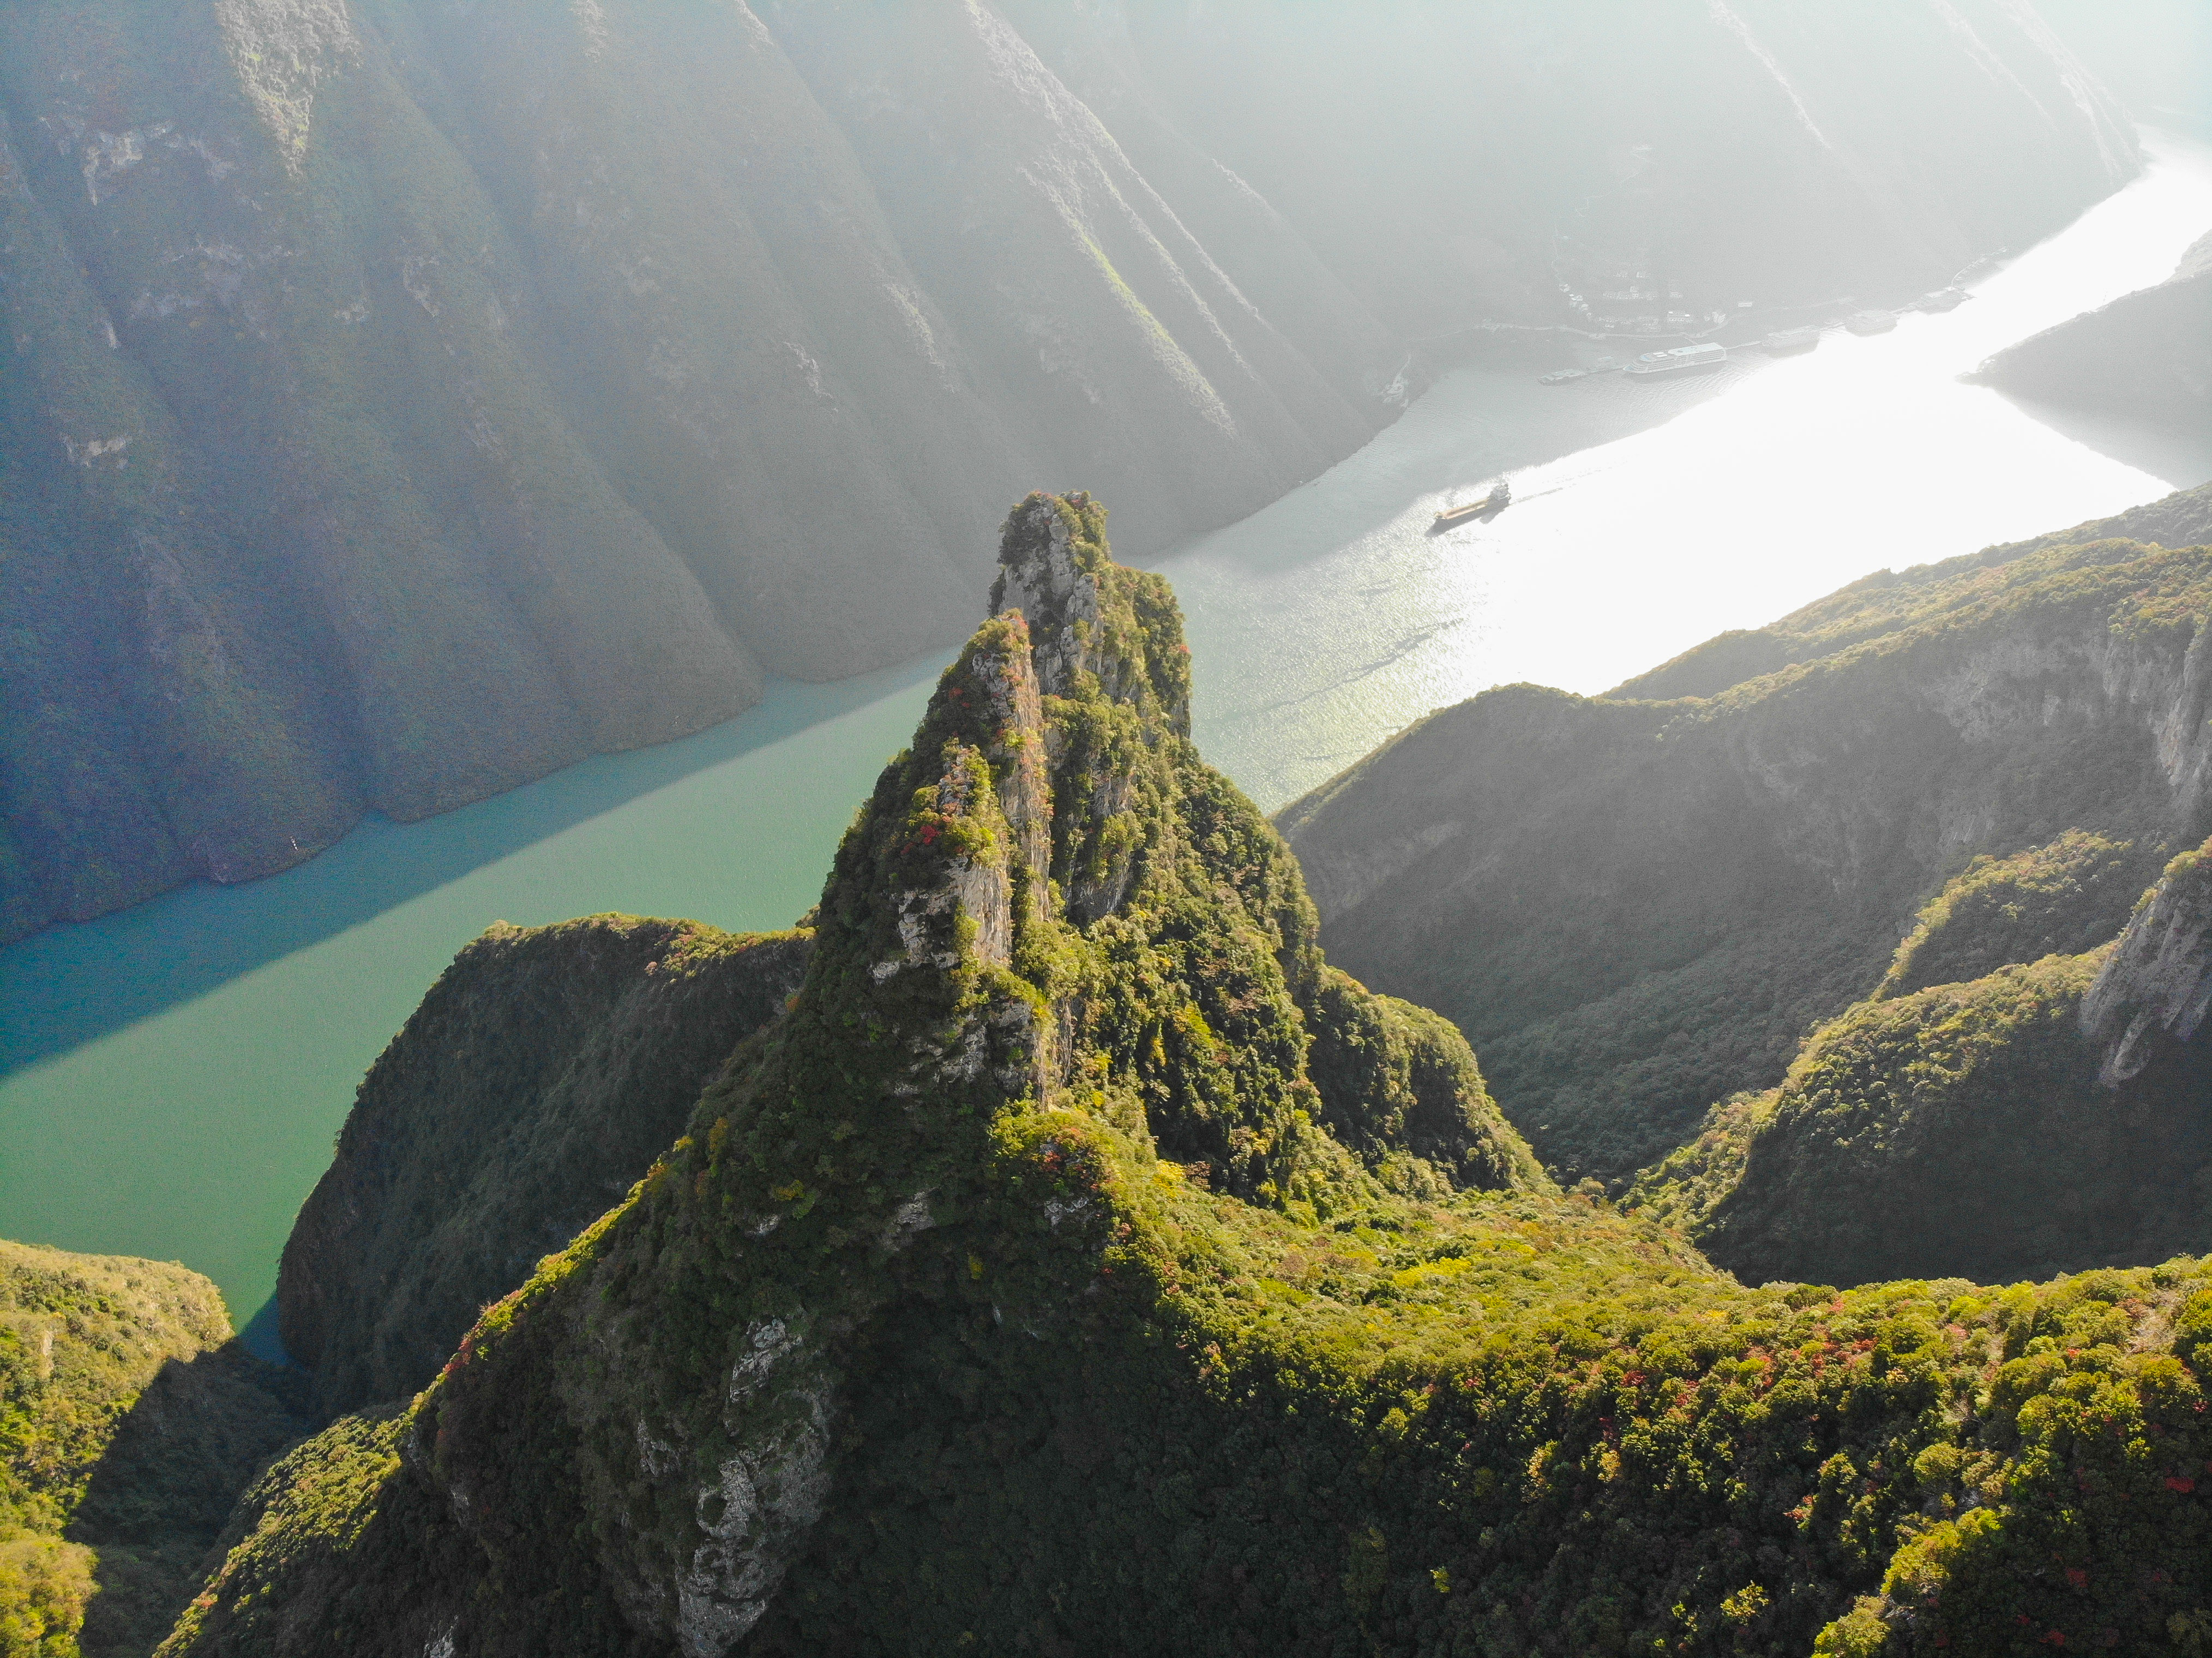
pixel 171 1077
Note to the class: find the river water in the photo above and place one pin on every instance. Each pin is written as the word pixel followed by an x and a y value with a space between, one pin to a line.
pixel 171 1077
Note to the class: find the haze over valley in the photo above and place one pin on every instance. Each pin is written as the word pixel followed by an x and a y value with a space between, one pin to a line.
pixel 1554 996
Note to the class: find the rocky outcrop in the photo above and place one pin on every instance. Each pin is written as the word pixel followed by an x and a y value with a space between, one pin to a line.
pixel 2146 355
pixel 1635 908
pixel 2151 997
pixel 544 1072
pixel 2044 1116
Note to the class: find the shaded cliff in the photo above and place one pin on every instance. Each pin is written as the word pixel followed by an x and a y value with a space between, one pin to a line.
pixel 542 1075
pixel 917 1341
pixel 2146 355
pixel 2052 1114
pixel 406 400
pixel 1635 908
pixel 129 1421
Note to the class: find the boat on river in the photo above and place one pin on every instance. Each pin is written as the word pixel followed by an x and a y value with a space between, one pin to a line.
pixel 1789 340
pixel 1945 299
pixel 1500 496
pixel 1699 359
pixel 1561 376
pixel 1871 322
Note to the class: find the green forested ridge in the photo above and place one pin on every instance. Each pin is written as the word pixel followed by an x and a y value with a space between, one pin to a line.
pixel 1635 908
pixel 2057 899
pixel 406 400
pixel 1974 1128
pixel 128 1422
pixel 916 1341
pixel 1888 600
pixel 542 1075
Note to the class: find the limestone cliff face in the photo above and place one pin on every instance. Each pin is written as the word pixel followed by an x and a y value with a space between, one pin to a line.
pixel 1635 908
pixel 544 1072
pixel 1431 156
pixel 441 395
pixel 2153 993
pixel 642 1442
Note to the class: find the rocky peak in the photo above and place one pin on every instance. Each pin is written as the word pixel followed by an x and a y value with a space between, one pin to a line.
pixel 1088 616
pixel 2156 987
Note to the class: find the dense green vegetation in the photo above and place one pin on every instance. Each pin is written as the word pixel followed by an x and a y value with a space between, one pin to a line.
pixel 129 1421
pixel 2057 899
pixel 1011 1293
pixel 1634 908
pixel 542 1075
pixel 1980 1127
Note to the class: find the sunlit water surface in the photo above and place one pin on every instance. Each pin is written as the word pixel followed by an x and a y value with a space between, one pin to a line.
pixel 174 1074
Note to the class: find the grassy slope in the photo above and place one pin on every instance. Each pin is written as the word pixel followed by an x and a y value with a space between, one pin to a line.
pixel 128 1422
pixel 914 1343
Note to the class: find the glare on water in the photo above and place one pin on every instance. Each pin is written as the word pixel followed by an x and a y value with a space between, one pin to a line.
pixel 1332 618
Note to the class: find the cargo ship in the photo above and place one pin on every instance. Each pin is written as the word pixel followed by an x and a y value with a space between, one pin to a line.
pixel 1501 495
pixel 1871 322
pixel 1682 360
pixel 1789 340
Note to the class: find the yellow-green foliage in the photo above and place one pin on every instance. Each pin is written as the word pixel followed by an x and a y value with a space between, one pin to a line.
pixel 80 1337
pixel 44 1586
pixel 1071 1394
pixel 2063 899
pixel 85 1342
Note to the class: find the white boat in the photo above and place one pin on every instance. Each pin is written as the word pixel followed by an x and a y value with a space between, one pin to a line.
pixel 1789 340
pixel 1561 376
pixel 1944 299
pixel 1871 322
pixel 1699 359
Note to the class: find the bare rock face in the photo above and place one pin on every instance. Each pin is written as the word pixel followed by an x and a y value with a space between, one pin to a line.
pixel 2156 989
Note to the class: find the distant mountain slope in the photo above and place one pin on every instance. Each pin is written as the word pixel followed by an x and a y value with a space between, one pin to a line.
pixel 1758 147
pixel 407 399
pixel 1635 908
pixel 2146 355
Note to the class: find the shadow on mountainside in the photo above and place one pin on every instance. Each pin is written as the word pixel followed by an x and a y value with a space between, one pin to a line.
pixel 64 988
pixel 158 1497
pixel 2172 453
